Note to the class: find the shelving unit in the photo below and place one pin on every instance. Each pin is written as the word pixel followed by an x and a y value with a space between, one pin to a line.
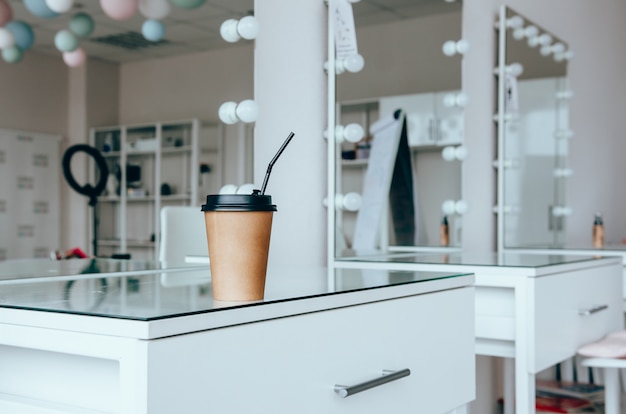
pixel 161 168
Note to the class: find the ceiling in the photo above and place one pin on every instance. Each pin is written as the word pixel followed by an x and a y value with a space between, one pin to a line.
pixel 193 31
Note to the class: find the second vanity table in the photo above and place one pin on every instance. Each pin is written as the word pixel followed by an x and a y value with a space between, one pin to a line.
pixel 533 310
pixel 322 341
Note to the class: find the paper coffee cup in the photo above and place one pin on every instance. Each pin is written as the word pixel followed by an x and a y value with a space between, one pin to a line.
pixel 238 229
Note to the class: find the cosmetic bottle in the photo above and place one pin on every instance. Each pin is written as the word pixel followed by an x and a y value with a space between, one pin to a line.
pixel 598 231
pixel 444 232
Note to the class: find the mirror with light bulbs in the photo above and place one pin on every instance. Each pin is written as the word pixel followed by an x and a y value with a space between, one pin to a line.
pixel 411 62
pixel 533 133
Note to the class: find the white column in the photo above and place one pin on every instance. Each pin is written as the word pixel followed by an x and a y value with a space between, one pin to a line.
pixel 290 90
pixel 75 217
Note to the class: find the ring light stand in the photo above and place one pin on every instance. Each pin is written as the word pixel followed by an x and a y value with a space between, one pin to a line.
pixel 88 190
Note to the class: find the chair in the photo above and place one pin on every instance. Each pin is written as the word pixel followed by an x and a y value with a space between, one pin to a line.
pixel 183 233
pixel 608 355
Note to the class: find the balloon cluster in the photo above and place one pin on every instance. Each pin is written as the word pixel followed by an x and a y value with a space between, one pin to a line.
pixel 17 36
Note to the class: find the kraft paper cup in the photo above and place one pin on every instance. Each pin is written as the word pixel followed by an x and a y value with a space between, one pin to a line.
pixel 238 229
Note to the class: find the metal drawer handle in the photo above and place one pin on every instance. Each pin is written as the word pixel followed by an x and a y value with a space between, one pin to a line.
pixel 345 391
pixel 590 311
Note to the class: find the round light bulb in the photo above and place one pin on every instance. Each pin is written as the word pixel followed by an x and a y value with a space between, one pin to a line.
pixel 531 31
pixel 558 48
pixel 545 39
pixel 515 22
pixel 248 27
pixel 462 46
pixel 460 152
pixel 545 50
pixel 354 63
pixel 448 207
pixel 227 112
pixel 461 207
pixel 449 48
pixel 448 153
pixel 353 133
pixel 228 31
pixel 247 111
pixel 228 189
pixel 515 69
pixel 352 201
pixel 245 189
pixel 519 34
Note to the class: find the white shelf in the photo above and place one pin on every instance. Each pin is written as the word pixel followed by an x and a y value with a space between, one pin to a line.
pixel 129 243
pixel 355 163
pixel 179 166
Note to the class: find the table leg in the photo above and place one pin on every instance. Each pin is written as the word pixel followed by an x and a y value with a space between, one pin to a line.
pixel 611 391
pixel 509 385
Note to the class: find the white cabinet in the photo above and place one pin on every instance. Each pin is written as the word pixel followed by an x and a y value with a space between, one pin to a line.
pixel 151 166
pixel 166 348
pixel 291 365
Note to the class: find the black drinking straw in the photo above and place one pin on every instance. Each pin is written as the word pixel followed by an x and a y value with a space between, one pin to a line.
pixel 269 167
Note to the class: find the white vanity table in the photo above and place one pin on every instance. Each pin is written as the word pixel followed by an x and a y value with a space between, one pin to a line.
pixel 163 345
pixel 533 310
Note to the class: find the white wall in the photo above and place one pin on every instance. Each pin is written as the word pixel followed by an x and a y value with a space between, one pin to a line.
pixel 190 86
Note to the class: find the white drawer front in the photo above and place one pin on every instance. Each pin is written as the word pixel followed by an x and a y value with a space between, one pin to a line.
pixel 560 301
pixel 291 365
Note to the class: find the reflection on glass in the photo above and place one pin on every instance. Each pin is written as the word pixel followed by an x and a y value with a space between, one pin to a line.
pixel 405 69
pixel 534 135
pixel 157 295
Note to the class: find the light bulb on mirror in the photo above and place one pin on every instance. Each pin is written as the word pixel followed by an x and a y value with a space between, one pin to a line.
pixel 228 189
pixel 514 22
pixel 514 69
pixel 567 55
pixel 349 202
pixel 540 40
pixel 233 30
pixel 531 31
pixel 353 63
pixel 454 153
pixel 350 133
pixel 450 48
pixel 455 99
pixel 519 34
pixel 245 111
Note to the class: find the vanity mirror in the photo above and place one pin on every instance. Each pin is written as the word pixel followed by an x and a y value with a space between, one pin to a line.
pixel 412 64
pixel 533 133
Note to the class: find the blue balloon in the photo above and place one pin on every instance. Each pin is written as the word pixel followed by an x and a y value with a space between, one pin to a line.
pixel 65 41
pixel 40 9
pixel 22 32
pixel 153 30
pixel 12 54
pixel 81 24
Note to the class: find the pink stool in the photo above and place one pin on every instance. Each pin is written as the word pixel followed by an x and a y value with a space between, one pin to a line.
pixel 609 355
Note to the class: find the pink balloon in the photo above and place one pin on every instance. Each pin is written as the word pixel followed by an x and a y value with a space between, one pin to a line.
pixel 75 58
pixel 6 12
pixel 119 9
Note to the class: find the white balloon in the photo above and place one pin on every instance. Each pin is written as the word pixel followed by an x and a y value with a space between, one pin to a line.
pixel 6 38
pixel 60 6
pixel 154 9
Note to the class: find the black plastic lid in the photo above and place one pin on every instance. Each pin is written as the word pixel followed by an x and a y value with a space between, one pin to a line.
pixel 238 202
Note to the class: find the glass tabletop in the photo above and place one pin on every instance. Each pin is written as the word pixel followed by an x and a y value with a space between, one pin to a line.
pixel 161 295
pixel 12 270
pixel 507 259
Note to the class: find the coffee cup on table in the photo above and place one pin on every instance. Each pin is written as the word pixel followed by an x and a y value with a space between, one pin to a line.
pixel 238 228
